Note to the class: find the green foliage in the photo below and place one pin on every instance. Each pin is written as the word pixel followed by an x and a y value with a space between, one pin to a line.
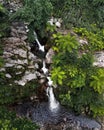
pixel 11 93
pixel 97 81
pixel 4 27
pixel 94 36
pixel 81 84
pixel 58 75
pixel 97 110
pixel 86 61
pixel 4 21
pixel 36 13
pixel 69 42
pixel 50 28
pixel 79 12
pixel 65 98
pixel 1 53
pixel 9 121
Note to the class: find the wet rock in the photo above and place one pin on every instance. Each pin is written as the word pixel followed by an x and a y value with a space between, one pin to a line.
pixel 99 59
pixel 101 120
pixel 24 109
pixel 62 120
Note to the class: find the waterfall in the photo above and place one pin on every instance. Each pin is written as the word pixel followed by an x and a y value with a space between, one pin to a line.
pixel 53 103
pixel 40 46
pixel 50 82
pixel 44 69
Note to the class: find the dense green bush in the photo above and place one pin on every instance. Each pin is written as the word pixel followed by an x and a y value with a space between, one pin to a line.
pixel 80 83
pixel 12 93
pixel 94 36
pixel 36 13
pixel 79 12
pixel 9 121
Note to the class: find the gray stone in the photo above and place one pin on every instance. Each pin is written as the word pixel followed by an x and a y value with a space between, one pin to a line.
pixel 49 56
pixel 99 59
pixel 18 57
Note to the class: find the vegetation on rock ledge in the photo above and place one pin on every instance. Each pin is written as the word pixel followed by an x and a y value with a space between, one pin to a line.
pixel 80 84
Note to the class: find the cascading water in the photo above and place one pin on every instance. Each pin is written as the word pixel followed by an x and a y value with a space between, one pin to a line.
pixel 50 82
pixel 52 112
pixel 44 69
pixel 53 103
pixel 40 46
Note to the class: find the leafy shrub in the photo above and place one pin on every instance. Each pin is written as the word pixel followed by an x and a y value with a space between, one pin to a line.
pixel 12 93
pixel 80 13
pixel 36 13
pixel 80 83
pixel 94 36
pixel 9 121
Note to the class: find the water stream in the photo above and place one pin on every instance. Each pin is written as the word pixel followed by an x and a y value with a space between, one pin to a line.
pixel 52 112
pixel 39 45
pixel 44 69
pixel 53 103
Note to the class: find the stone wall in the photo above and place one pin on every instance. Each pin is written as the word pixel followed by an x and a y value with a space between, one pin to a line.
pixel 18 57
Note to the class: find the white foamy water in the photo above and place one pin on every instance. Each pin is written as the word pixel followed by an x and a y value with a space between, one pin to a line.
pixel 44 69
pixel 50 82
pixel 39 45
pixel 53 103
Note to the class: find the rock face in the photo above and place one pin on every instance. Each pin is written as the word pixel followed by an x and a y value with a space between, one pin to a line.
pixel 49 56
pixel 18 57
